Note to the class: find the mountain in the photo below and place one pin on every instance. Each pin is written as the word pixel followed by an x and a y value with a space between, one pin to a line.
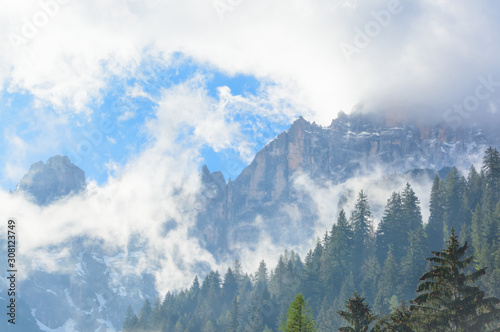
pixel 264 198
pixel 89 295
pixel 57 178
pixel 353 145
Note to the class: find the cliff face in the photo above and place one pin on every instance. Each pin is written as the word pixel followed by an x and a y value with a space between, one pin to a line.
pixel 57 178
pixel 351 145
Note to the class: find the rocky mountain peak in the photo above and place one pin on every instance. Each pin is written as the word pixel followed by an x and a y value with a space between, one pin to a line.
pixel 46 183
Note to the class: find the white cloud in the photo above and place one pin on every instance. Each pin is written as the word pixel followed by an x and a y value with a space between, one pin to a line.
pixel 428 55
pixel 157 185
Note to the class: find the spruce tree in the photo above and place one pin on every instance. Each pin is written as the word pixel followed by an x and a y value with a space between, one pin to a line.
pixel 362 223
pixel 391 232
pixel 310 281
pixel 412 215
pixel 413 264
pixel 338 255
pixel 448 300
pixel 491 168
pixel 400 320
pixel 454 201
pixel 357 315
pixel 230 286
pixel 299 317
pixel 234 316
pixel 370 283
pixel 145 315
pixel 388 285
pixel 435 226
pixel 131 320
pixel 473 194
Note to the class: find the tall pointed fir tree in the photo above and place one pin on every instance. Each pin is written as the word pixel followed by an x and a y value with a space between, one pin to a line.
pixel 229 287
pixel 473 194
pixel 338 255
pixel 491 168
pixel 413 264
pixel 435 226
pixel 448 300
pixel 131 320
pixel 412 215
pixel 454 201
pixel 362 224
pixel 234 316
pixel 391 232
pixel 388 285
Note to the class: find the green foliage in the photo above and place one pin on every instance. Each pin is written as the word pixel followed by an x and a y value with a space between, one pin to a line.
pixel 388 284
pixel 234 316
pixel 435 226
pixel 299 317
pixel 400 320
pixel 384 267
pixel 448 299
pixel 454 201
pixel 357 315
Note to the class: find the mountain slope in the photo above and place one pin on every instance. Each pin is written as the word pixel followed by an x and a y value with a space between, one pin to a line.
pixel 351 146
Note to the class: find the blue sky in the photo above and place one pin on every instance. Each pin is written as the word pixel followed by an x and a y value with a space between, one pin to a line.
pixel 113 131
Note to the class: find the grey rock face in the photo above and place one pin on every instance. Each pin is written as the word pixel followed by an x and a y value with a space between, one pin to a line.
pixel 352 145
pixel 57 178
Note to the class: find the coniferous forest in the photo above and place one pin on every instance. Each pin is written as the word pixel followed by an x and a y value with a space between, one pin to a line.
pixel 405 275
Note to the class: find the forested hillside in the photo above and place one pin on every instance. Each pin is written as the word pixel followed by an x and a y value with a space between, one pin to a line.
pixel 383 264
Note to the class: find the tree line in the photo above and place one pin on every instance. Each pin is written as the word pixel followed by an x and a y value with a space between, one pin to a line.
pixel 382 267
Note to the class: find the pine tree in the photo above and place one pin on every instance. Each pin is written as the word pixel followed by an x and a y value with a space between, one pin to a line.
pixel 413 264
pixel 491 168
pixel 261 277
pixel 346 291
pixel 310 281
pixel 234 316
pixel 361 220
pixel 299 317
pixel 454 201
pixel 370 284
pixel 358 315
pixel 473 194
pixel 327 316
pixel 447 298
pixel 388 284
pixel 209 327
pixel 131 320
pixel 400 320
pixel 412 216
pixel 230 286
pixel 145 315
pixel 435 226
pixel 391 232
pixel 338 255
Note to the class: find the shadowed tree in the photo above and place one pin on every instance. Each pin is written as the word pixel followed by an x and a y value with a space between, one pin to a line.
pixel 358 315
pixel 448 300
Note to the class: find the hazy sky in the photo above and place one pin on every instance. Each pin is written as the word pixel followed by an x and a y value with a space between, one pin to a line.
pixel 140 94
